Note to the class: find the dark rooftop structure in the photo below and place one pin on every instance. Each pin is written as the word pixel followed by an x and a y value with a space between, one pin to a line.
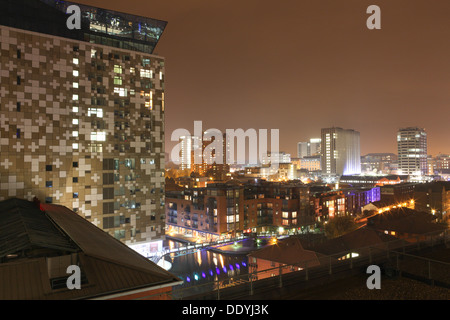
pixel 405 221
pixel 357 241
pixel 100 26
pixel 288 251
pixel 39 241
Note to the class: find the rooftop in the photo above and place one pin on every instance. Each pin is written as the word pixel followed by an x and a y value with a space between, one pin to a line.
pixel 101 26
pixel 287 251
pixel 405 220
pixel 38 243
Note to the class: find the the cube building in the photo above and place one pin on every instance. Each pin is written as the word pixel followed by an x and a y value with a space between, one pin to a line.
pixel 82 115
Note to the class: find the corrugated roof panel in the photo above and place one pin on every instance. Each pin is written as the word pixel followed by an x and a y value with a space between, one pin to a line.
pixel 23 225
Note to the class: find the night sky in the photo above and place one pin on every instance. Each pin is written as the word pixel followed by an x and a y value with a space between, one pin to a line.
pixel 300 66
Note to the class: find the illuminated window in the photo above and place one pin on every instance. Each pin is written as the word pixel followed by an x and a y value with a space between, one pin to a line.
pixel 75 85
pixel 146 73
pixel 98 136
pixel 149 100
pixel 74 121
pixel 75 61
pixel 93 53
pixel 74 145
pixel 160 75
pixel 75 109
pixel 117 68
pixel 98 112
pixel 75 73
pixel 121 91
pixel 75 97
pixel 132 70
pixel 74 133
pixel 118 80
pixel 95 147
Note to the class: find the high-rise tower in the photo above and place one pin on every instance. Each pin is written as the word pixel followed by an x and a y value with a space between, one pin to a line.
pixel 412 151
pixel 340 152
pixel 82 115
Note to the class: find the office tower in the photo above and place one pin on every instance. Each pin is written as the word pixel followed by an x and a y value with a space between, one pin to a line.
pixel 412 151
pixel 381 163
pixel 308 149
pixel 275 157
pixel 187 155
pixel 82 115
pixel 340 152
pixel 213 161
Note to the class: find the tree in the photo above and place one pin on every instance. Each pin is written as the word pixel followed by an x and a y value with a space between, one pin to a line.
pixel 339 226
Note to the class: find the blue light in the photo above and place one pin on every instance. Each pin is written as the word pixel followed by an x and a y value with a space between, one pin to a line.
pixel 203 275
pixel 237 266
pixel 224 269
pixel 217 270
pixel 188 279
pixel 196 277
pixel 211 272
pixel 231 267
pixel 243 263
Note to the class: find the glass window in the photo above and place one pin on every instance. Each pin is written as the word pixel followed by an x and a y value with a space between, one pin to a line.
pixel 117 68
pixel 145 73
pixel 98 112
pixel 98 136
pixel 118 80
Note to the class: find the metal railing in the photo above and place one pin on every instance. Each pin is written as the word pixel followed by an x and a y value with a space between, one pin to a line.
pixel 395 257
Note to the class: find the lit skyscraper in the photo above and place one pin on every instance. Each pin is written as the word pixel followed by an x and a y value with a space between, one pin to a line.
pixel 340 152
pixel 82 115
pixel 307 149
pixel 412 151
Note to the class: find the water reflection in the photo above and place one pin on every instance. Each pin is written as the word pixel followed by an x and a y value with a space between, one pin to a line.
pixel 205 267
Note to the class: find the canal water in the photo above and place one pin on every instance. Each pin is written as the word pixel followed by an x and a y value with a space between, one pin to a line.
pixel 205 269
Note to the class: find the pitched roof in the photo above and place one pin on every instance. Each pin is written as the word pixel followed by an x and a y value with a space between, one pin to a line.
pixel 405 220
pixel 108 264
pixel 357 239
pixel 24 227
pixel 287 251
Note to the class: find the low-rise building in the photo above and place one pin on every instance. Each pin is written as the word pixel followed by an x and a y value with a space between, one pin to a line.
pixel 434 198
pixel 283 256
pixel 408 224
pixel 233 207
